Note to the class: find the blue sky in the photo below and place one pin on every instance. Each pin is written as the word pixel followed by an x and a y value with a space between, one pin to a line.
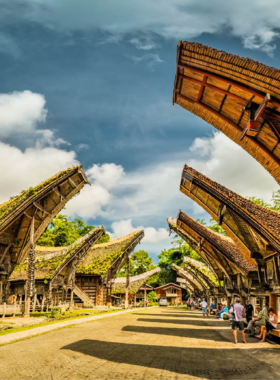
pixel 91 82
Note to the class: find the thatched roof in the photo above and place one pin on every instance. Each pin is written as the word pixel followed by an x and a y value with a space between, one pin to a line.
pixel 52 261
pixel 203 271
pixel 107 258
pixel 253 228
pixel 45 201
pixel 135 282
pixel 226 91
pixel 216 261
pixel 189 277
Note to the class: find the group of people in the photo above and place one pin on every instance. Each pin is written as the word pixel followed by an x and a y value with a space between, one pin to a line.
pixel 265 318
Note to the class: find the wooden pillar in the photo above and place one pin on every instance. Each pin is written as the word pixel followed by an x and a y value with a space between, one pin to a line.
pixel 20 299
pixel 15 306
pixel 127 282
pixel 145 295
pixel 4 310
pixel 30 271
pixel 135 300
pixel 43 301
pixel 71 299
pixel 229 301
pixel 273 302
pixel 34 302
pixel 1 291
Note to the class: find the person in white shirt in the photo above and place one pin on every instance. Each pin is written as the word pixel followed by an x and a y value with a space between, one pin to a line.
pixel 204 308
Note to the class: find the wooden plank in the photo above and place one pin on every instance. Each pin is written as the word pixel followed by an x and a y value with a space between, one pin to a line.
pixel 41 208
pixel 72 183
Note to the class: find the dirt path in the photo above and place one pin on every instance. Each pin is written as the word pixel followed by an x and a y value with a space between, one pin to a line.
pixel 158 343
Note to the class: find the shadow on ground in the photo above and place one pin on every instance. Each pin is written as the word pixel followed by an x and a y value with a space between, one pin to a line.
pixel 180 315
pixel 229 363
pixel 186 333
pixel 206 322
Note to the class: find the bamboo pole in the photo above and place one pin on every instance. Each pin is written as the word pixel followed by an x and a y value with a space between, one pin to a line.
pixel 127 282
pixel 30 274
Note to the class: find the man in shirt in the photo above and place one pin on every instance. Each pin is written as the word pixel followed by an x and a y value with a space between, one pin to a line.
pixel 249 311
pixel 238 311
pixel 204 308
pixel 259 320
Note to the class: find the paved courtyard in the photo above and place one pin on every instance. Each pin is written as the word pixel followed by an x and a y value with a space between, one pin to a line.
pixel 158 343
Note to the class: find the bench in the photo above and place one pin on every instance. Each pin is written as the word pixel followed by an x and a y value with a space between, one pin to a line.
pixel 275 332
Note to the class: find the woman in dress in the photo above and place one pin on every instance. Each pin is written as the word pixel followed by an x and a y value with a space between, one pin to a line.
pixel 270 325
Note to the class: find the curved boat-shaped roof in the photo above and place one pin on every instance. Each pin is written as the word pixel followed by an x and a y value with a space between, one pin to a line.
pixel 189 277
pixel 217 262
pixel 135 282
pixel 109 257
pixel 44 202
pixel 253 228
pixel 53 261
pixel 202 270
pixel 238 96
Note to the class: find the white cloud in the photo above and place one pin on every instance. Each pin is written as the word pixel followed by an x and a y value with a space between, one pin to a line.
pixel 20 170
pixel 222 160
pixel 256 21
pixel 143 44
pixel 20 112
pixel 152 59
pixel 152 235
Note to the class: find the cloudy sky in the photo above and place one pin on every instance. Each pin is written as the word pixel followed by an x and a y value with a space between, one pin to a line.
pixel 91 82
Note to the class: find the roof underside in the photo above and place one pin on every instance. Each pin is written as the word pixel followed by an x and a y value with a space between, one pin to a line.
pixel 43 202
pixel 135 282
pixel 189 277
pixel 106 257
pixel 51 261
pixel 213 257
pixel 253 228
pixel 229 92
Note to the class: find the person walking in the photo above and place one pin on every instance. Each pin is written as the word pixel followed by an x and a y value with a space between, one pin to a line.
pixel 238 311
pixel 204 308
pixel 249 311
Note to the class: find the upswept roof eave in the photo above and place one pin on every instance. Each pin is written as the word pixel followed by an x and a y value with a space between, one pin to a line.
pixel 10 209
pixel 135 282
pixel 57 260
pixel 97 262
pixel 264 221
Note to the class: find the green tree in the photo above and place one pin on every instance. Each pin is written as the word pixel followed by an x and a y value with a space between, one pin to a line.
pixel 61 232
pixel 140 262
pixel 152 296
pixel 275 201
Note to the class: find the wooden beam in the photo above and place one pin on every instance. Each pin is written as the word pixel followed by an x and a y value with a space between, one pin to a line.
pixel 5 252
pixel 41 208
pixel 201 89
pixel 56 190
pixel 243 87
pixel 72 183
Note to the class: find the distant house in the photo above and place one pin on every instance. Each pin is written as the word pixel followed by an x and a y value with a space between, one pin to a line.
pixel 172 292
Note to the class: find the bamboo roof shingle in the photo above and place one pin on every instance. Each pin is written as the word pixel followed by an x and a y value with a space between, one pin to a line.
pixel 238 96
pixel 106 259
pixel 202 270
pixel 52 261
pixel 135 282
pixel 254 229
pixel 43 202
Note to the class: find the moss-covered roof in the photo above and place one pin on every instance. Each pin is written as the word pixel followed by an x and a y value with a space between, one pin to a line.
pixel 49 261
pixel 10 206
pixel 202 270
pixel 100 257
pixel 43 202
pixel 135 282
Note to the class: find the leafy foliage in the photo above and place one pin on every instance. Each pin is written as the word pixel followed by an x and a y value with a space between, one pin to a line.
pixel 152 296
pixel 140 262
pixel 61 232
pixel 275 201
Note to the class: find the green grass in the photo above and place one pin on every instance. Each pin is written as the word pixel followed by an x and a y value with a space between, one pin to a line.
pixel 24 328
